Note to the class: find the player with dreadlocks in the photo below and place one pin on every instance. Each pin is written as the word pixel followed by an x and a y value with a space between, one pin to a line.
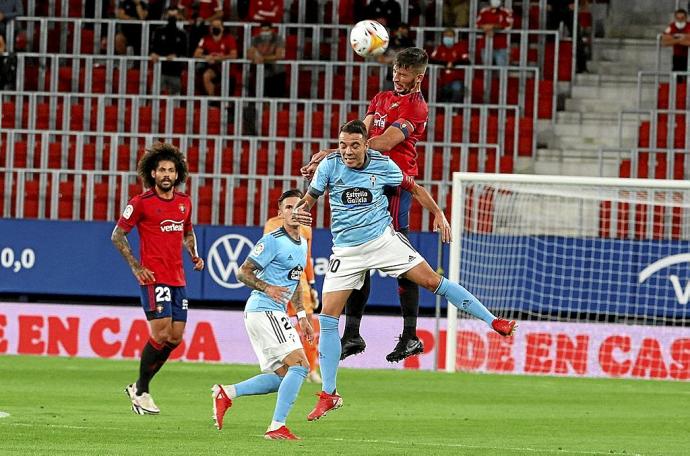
pixel 163 218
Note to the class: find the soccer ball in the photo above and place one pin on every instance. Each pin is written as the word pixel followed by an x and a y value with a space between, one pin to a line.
pixel 369 38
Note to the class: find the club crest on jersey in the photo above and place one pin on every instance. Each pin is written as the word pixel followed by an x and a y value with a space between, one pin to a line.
pixel 373 180
pixel 296 272
pixel 357 197
pixel 182 208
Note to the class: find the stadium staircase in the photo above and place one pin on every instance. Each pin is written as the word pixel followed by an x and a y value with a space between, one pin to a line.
pixel 592 116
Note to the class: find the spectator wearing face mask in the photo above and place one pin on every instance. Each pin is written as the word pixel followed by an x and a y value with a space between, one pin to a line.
pixel 214 48
pixel 169 42
pixel 677 34
pixel 450 53
pixel 267 48
pixel 491 19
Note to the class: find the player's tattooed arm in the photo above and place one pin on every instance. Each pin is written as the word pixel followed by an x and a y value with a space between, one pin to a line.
pixel 190 244
pixel 247 275
pixel 119 239
pixel 303 318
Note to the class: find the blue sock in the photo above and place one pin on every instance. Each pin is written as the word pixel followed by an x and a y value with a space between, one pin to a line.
pixel 288 391
pixel 329 351
pixel 260 384
pixel 457 295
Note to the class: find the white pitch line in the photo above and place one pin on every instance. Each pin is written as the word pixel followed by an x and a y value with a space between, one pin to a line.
pixel 476 447
pixel 4 414
pixel 68 426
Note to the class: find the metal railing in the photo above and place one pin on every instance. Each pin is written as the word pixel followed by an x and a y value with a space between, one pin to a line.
pixel 101 195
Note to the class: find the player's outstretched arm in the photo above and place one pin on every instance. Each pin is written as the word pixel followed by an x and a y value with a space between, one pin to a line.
pixel 190 244
pixel 389 139
pixel 309 169
pixel 301 212
pixel 119 239
pixel 247 275
pixel 427 201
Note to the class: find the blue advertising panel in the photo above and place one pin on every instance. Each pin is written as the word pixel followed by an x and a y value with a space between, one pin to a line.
pixel 535 273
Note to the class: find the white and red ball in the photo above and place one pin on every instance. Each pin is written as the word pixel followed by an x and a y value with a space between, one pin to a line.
pixel 369 38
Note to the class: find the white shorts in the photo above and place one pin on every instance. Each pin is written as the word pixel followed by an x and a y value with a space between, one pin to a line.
pixel 390 253
pixel 272 336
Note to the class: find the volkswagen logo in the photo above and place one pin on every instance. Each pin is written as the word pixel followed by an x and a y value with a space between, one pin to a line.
pixel 223 259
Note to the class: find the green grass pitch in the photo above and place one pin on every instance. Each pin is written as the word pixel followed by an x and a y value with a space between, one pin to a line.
pixel 62 406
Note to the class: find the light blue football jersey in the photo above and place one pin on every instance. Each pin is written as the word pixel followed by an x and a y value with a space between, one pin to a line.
pixel 281 260
pixel 359 208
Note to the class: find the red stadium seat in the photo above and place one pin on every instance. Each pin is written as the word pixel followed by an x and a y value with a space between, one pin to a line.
pixel 100 201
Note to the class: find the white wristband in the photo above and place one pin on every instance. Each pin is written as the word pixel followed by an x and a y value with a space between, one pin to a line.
pixel 301 314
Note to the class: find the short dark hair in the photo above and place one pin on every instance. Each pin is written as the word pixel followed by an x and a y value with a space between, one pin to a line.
pixel 354 126
pixel 293 192
pixel 680 10
pixel 157 153
pixel 414 58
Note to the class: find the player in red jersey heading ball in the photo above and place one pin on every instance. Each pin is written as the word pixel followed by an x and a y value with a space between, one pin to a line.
pixel 163 218
pixel 396 121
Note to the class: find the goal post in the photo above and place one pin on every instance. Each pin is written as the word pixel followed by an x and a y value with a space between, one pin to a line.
pixel 554 251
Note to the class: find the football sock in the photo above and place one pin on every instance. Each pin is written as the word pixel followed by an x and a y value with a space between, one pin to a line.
pixel 230 391
pixel 409 305
pixel 148 365
pixel 259 384
pixel 288 391
pixel 329 351
pixel 457 295
pixel 355 308
pixel 275 425
pixel 163 356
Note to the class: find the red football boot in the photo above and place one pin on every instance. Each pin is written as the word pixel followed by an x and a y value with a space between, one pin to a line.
pixel 221 404
pixel 326 403
pixel 504 327
pixel 282 433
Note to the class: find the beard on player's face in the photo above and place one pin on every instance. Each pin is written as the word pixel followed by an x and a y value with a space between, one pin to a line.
pixel 165 183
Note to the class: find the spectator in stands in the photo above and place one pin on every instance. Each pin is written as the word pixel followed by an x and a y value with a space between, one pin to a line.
pixel 265 11
pixel 677 34
pixel 267 48
pixel 456 13
pixel 450 53
pixel 130 34
pixel 564 11
pixel 491 19
pixel 387 12
pixel 9 10
pixel 214 48
pixel 200 14
pixel 170 41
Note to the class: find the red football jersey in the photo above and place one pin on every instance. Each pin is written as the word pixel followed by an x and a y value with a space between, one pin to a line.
pixel 672 29
pixel 502 17
pixel 207 8
pixel 223 46
pixel 162 225
pixel 407 112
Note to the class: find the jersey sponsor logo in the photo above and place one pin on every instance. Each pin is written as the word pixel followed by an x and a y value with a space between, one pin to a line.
pixel 127 213
pixel 357 197
pixel 171 226
pixel 223 259
pixel 682 294
pixel 380 120
pixel 296 272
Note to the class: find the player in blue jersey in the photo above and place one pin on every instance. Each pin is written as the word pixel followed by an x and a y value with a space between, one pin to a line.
pixel 273 270
pixel 363 239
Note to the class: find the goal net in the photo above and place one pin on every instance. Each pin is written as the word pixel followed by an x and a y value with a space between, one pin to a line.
pixel 595 270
